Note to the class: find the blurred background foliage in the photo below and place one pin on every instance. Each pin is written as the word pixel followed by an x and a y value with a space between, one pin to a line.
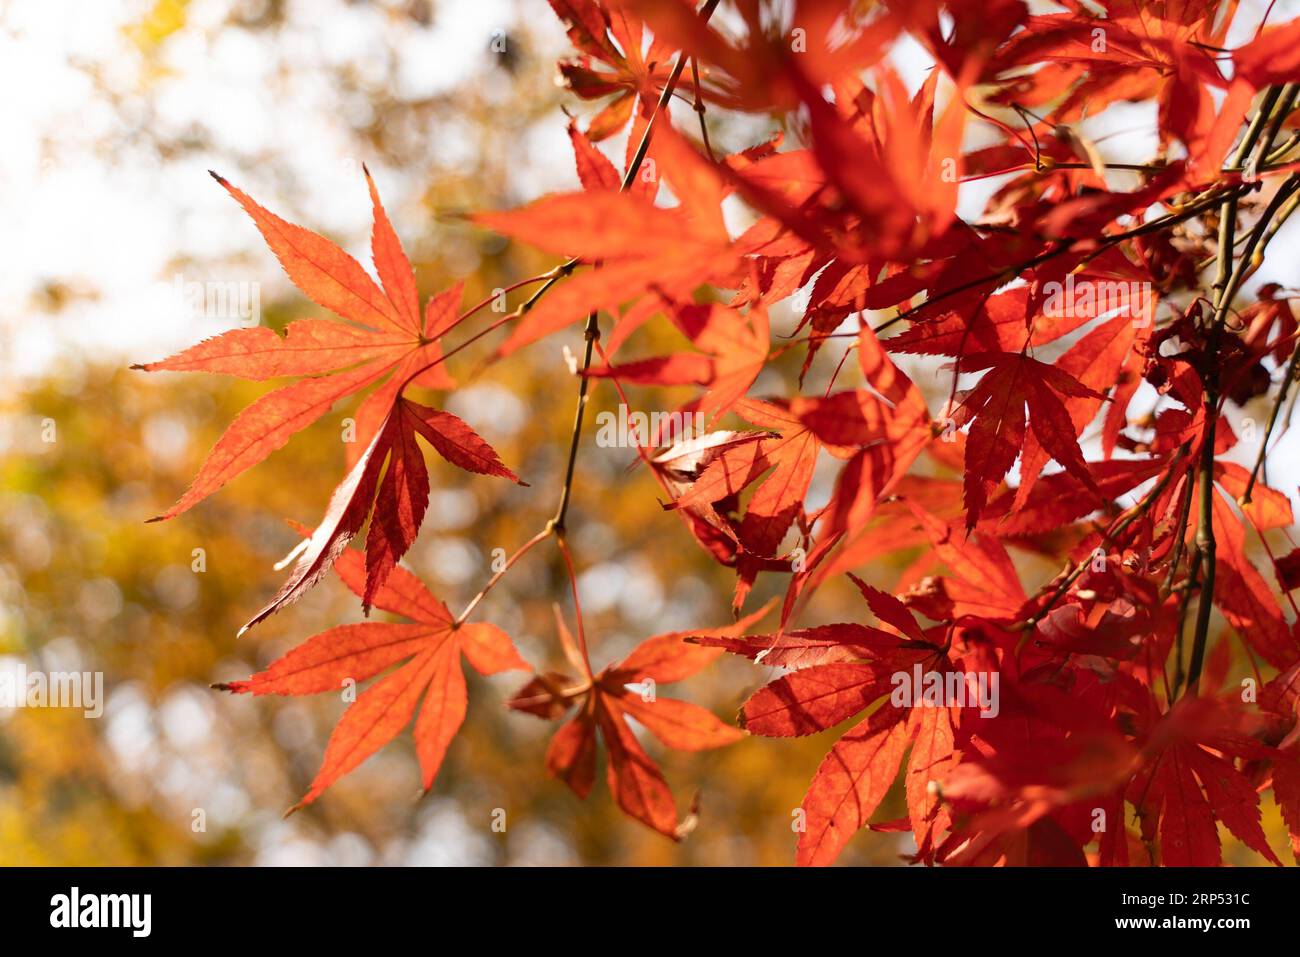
pixel 85 584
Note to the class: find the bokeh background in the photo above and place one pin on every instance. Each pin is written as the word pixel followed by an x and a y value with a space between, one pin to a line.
pixel 113 113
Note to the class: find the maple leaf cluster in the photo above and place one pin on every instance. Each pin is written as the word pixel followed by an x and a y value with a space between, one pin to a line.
pixel 1099 431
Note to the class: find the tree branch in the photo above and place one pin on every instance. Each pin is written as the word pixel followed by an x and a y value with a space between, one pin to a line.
pixel 1227 281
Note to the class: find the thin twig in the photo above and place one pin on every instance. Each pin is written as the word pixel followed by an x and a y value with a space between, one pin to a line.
pixel 698 106
pixel 592 331
pixel 1227 281
pixel 1292 367
pixel 1064 246
pixel 556 525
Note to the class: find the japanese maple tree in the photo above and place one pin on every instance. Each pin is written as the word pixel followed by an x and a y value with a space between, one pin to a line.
pixel 1102 347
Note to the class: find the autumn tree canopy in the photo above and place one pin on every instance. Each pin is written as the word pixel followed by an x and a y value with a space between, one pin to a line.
pixel 1102 347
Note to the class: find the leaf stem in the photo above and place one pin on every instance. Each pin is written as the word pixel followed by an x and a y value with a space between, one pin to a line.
pixel 563 544
pixel 523 550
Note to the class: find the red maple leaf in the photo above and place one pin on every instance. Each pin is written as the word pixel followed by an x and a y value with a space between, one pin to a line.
pixel 606 700
pixel 384 336
pixel 429 680
pixel 996 410
pixel 841 670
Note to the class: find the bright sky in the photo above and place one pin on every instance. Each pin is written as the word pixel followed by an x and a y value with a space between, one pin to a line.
pixel 88 205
